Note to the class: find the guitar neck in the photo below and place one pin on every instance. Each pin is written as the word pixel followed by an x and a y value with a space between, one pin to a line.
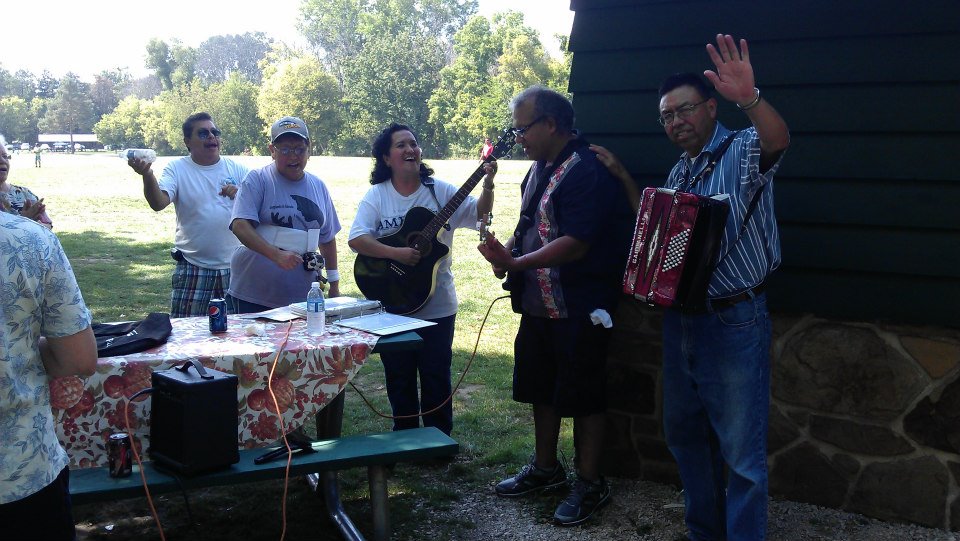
pixel 458 198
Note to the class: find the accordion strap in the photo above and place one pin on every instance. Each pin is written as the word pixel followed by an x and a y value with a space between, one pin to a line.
pixel 687 184
pixel 714 160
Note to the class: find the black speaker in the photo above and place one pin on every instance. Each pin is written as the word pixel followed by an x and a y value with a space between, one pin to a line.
pixel 193 421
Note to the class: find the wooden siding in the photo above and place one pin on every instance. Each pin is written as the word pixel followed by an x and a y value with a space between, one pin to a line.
pixel 868 196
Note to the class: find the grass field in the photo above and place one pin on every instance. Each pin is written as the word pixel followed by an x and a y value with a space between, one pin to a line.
pixel 119 249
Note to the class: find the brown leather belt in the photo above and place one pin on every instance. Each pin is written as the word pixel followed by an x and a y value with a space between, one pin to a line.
pixel 727 302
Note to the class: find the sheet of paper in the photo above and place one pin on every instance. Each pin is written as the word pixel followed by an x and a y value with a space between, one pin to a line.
pixel 384 323
pixel 341 307
pixel 277 314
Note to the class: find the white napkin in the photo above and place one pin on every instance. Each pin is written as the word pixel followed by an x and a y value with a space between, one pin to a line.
pixel 255 329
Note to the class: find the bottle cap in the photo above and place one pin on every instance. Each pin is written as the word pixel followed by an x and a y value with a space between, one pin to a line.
pixel 315 284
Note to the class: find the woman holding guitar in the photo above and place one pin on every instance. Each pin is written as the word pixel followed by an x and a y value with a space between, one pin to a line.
pixel 402 188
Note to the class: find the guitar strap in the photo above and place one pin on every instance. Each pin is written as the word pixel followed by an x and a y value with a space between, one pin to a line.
pixel 514 282
pixel 428 182
pixel 526 215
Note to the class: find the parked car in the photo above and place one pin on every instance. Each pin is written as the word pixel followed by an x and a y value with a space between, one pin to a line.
pixel 25 146
pixel 78 147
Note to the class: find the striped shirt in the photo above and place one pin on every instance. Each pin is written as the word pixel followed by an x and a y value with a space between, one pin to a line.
pixel 745 262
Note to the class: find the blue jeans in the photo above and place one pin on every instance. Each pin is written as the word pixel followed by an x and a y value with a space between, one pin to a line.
pixel 432 363
pixel 716 397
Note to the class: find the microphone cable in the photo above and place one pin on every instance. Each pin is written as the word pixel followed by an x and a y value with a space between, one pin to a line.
pixel 136 455
pixel 455 388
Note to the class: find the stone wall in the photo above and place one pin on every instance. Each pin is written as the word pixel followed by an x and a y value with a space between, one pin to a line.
pixel 864 417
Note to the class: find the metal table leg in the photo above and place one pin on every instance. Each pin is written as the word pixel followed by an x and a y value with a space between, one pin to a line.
pixel 377 476
pixel 329 425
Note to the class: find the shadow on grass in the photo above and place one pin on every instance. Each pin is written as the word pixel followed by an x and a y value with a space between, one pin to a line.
pixel 120 278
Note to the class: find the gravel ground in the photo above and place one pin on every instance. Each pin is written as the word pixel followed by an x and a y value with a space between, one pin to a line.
pixel 451 503
pixel 644 511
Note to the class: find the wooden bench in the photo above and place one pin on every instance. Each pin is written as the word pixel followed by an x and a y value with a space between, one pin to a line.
pixel 375 451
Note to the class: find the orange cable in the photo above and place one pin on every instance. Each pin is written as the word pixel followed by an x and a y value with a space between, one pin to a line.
pixel 143 476
pixel 276 405
pixel 283 431
pixel 455 388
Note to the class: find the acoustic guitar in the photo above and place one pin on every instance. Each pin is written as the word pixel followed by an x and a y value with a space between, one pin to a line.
pixel 403 289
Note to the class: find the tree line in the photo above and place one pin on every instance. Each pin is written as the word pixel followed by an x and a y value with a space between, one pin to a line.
pixel 432 64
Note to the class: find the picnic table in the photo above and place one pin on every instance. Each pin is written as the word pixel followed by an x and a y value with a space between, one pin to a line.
pixel 310 373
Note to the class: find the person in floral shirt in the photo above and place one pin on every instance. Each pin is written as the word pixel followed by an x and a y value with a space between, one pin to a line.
pixel 17 199
pixel 44 332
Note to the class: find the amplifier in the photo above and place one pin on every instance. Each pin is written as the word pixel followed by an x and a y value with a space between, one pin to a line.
pixel 193 421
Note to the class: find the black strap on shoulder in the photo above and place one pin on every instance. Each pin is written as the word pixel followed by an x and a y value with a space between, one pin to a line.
pixel 428 182
pixel 526 216
pixel 753 202
pixel 717 154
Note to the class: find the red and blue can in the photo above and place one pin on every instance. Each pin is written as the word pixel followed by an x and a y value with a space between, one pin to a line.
pixel 218 315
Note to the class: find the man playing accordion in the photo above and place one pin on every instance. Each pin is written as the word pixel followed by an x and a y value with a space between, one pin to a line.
pixel 716 359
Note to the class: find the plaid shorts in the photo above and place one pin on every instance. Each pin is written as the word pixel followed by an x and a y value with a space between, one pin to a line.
pixel 194 286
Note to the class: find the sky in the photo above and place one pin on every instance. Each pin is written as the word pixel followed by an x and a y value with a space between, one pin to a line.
pixel 71 35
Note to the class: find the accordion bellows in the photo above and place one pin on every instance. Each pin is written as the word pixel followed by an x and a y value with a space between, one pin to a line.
pixel 675 247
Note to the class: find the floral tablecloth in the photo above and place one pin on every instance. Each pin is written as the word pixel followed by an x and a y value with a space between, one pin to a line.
pixel 311 371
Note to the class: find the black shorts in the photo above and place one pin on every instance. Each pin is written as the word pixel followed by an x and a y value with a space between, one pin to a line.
pixel 562 363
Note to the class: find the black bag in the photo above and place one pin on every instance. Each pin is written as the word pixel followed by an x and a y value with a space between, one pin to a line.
pixel 123 338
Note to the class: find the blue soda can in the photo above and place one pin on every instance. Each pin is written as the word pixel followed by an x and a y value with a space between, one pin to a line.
pixel 218 315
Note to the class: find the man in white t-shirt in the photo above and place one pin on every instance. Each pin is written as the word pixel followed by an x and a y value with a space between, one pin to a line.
pixel 202 187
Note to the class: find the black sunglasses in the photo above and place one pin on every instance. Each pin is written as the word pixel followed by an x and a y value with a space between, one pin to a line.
pixel 204 133
pixel 520 132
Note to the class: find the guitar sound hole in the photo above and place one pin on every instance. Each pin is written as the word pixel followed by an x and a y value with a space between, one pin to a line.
pixel 420 242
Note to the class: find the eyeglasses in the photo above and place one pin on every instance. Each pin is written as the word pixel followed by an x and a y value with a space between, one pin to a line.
pixel 665 119
pixel 298 151
pixel 520 132
pixel 204 133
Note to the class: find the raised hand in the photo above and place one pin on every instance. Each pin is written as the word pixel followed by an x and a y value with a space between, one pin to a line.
pixel 490 170
pixel 138 165
pixel 734 76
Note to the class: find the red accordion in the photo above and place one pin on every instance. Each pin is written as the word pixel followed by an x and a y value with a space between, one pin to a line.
pixel 675 247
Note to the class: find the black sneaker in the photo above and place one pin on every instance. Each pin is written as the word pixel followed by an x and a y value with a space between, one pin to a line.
pixel 584 498
pixel 531 479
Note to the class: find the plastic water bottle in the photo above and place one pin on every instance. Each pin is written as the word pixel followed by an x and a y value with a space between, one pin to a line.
pixel 146 154
pixel 316 313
